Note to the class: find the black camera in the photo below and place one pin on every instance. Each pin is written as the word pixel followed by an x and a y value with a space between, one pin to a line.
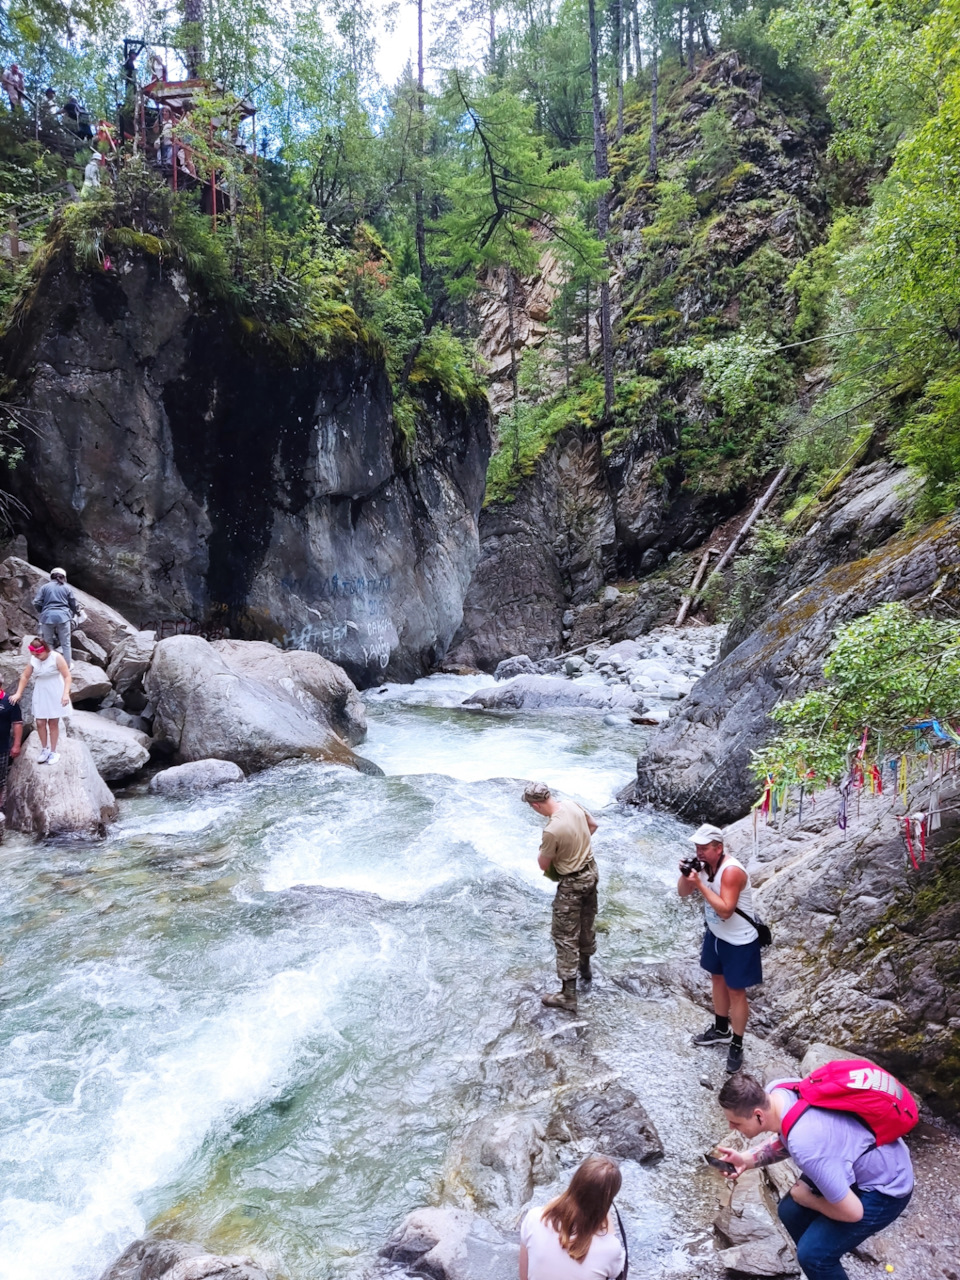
pixel 691 864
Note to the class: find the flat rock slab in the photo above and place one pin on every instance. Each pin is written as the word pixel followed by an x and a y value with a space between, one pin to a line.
pixel 118 752
pixel 66 798
pixel 449 1244
pixel 89 683
pixel 198 775
pixel 176 1260
pixel 533 693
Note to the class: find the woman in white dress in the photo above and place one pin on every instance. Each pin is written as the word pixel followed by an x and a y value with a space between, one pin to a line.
pixel 572 1238
pixel 51 695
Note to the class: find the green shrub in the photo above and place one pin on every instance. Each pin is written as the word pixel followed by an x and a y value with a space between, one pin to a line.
pixel 884 672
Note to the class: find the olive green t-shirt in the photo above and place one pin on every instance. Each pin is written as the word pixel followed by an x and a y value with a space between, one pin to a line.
pixel 566 838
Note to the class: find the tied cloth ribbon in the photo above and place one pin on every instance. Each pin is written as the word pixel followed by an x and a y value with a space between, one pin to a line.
pixel 915 834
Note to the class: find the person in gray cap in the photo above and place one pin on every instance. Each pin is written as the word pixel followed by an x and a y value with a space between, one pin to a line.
pixel 57 606
pixel 567 857
pixel 731 944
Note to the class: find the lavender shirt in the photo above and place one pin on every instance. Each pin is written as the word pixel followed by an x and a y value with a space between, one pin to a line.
pixel 835 1150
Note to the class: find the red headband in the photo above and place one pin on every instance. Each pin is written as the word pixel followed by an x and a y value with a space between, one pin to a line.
pixel 37 646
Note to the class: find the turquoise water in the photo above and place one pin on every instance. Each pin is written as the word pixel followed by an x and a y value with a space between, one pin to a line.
pixel 253 1018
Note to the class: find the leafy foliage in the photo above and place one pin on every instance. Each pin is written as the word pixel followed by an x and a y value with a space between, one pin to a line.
pixel 884 673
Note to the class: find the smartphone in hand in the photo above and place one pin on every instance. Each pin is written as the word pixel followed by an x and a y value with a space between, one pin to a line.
pixel 723 1165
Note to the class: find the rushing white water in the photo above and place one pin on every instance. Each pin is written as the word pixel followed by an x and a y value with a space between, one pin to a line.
pixel 250 1018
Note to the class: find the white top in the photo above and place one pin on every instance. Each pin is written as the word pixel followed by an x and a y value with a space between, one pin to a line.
pixel 736 929
pixel 48 689
pixel 546 1260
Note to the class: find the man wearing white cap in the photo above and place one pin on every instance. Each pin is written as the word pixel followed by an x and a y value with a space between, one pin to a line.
pixel 731 944
pixel 57 607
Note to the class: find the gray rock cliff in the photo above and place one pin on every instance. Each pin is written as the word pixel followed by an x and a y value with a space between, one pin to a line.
pixel 188 469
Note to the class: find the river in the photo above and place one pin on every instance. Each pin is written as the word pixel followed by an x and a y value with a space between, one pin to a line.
pixel 252 1018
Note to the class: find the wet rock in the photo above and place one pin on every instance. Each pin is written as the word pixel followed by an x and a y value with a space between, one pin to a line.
pixel 88 683
pixel 117 751
pixel 755 1242
pixel 545 692
pixel 176 1260
pixel 128 665
pixel 198 775
pixel 864 947
pixel 450 1244
pixel 496 1165
pixel 519 666
pixel 324 690
pixel 614 1122
pixel 207 709
pixel 65 798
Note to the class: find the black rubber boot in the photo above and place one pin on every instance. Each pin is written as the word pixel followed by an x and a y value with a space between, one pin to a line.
pixel 565 999
pixel 586 973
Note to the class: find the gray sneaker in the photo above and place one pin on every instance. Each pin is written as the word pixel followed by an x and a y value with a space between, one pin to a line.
pixel 734 1059
pixel 713 1036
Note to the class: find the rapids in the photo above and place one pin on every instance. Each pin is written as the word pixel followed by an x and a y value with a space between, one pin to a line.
pixel 252 1018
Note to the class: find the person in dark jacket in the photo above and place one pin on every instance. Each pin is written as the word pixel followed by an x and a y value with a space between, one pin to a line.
pixel 57 607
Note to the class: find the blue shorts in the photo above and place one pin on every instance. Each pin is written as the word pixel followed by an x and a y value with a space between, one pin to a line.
pixel 739 965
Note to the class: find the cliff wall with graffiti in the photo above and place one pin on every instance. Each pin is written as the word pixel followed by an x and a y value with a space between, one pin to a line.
pixel 198 475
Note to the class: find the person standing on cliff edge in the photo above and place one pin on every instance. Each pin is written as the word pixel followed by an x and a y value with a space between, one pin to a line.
pixel 731 945
pixel 567 858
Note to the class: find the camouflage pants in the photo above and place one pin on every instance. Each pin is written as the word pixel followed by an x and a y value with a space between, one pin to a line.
pixel 574 916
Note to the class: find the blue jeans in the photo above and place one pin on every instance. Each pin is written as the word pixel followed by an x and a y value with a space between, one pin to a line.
pixel 821 1242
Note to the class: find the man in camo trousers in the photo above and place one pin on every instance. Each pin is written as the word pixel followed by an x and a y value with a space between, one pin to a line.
pixel 566 857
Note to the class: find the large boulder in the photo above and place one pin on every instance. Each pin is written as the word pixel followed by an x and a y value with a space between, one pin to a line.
pixel 323 689
pixel 117 751
pixel 447 1244
pixel 89 683
pixel 864 946
pixel 19 583
pixel 198 775
pixel 66 798
pixel 128 665
pixel 205 708
pixel 553 693
pixel 176 1260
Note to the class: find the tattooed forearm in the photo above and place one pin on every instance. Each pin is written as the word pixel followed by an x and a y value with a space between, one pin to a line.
pixel 771 1152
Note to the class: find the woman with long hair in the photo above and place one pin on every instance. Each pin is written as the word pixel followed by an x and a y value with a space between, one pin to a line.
pixel 51 695
pixel 572 1238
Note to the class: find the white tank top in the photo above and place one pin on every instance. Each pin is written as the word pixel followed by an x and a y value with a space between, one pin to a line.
pixel 736 929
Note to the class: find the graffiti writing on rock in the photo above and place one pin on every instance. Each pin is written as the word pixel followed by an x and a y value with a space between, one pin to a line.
pixel 354 621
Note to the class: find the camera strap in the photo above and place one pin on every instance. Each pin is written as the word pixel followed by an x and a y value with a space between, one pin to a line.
pixel 626 1252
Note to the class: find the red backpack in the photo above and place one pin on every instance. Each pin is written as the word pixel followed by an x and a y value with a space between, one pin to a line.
pixel 860 1088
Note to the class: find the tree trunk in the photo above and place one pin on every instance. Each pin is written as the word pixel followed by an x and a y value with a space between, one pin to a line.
pixel 618 41
pixel 513 368
pixel 690 60
pixel 627 45
pixel 420 232
pixel 601 170
pixel 193 51
pixel 636 36
pixel 654 88
pixel 586 323
pixel 705 40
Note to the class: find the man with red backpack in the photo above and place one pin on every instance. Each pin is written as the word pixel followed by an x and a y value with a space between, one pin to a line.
pixel 843 1126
